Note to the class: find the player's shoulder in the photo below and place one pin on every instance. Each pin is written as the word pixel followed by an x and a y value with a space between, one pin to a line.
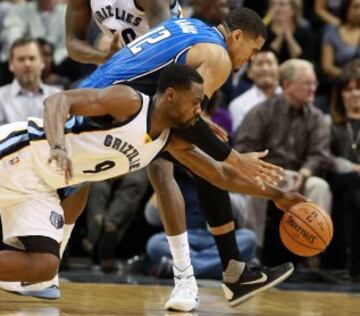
pixel 211 53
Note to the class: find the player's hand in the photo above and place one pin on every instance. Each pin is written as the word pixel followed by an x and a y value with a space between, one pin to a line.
pixel 61 160
pixel 289 199
pixel 256 170
pixel 216 129
pixel 115 45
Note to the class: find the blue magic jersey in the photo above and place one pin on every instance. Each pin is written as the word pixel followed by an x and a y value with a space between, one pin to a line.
pixel 147 55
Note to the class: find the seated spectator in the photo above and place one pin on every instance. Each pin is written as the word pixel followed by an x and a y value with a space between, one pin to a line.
pixel 38 19
pixel 328 11
pixel 6 7
pixel 25 95
pixel 341 43
pixel 345 146
pixel 289 35
pixel 203 252
pixel 295 132
pixel 49 75
pixel 111 207
pixel 263 71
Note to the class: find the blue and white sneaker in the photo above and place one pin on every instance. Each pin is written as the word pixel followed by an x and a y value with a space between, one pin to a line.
pixel 48 290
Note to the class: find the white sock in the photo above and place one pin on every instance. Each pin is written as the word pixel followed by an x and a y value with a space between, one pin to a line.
pixel 68 228
pixel 179 248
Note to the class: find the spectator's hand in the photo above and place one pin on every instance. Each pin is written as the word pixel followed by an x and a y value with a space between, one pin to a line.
pixel 289 199
pixel 60 159
pixel 217 130
pixel 256 170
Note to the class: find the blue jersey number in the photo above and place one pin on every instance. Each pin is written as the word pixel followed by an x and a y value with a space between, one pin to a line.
pixel 152 37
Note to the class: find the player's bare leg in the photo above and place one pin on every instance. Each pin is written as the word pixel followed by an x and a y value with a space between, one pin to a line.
pixel 171 207
pixel 73 206
pixel 27 267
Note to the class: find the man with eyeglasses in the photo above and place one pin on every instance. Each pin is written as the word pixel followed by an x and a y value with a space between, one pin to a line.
pixel 296 132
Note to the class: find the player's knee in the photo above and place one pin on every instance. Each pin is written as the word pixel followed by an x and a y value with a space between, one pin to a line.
pixel 44 267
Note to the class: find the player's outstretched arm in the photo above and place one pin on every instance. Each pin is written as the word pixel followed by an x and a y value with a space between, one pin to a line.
pixel 227 176
pixel 118 101
pixel 78 19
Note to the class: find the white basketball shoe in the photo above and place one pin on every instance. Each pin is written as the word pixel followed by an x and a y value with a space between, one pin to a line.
pixel 49 289
pixel 185 295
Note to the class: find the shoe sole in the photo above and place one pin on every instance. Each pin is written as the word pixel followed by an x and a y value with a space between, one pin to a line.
pixel 266 287
pixel 48 294
pixel 179 309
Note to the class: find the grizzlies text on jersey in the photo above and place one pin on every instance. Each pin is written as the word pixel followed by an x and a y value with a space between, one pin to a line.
pixel 124 17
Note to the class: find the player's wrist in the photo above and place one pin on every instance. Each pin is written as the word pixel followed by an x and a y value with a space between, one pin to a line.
pixel 58 147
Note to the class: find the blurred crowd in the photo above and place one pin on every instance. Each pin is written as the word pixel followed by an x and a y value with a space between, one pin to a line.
pixel 299 97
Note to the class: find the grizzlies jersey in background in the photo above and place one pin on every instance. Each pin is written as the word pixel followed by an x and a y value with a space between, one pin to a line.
pixel 124 17
pixel 97 152
pixel 146 56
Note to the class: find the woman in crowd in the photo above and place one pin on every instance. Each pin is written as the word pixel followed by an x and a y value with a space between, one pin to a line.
pixel 345 146
pixel 289 35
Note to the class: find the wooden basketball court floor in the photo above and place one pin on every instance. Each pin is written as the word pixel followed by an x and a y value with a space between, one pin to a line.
pixel 114 299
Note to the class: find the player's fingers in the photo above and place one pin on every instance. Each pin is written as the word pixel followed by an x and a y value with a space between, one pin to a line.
pixel 260 182
pixel 261 154
pixel 273 170
pixel 269 178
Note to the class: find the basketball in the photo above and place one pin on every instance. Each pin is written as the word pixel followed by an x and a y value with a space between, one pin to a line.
pixel 306 229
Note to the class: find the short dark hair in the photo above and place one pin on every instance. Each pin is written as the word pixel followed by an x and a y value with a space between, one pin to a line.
pixel 22 42
pixel 246 20
pixel 178 76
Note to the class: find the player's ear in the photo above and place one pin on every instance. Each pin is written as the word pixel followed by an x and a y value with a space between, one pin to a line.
pixel 170 94
pixel 237 35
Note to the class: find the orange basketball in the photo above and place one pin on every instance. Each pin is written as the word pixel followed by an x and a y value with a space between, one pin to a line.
pixel 306 229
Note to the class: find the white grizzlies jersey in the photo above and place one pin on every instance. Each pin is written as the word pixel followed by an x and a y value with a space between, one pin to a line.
pixel 99 151
pixel 124 17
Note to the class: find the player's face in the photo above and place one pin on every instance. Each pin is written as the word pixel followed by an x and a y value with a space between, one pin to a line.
pixel 27 64
pixel 188 105
pixel 264 70
pixel 351 96
pixel 242 48
pixel 301 90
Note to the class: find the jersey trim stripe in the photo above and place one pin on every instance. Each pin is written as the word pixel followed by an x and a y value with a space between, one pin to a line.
pixel 13 142
pixel 145 73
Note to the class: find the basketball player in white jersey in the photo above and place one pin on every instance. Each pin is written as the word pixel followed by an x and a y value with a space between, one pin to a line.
pixel 122 20
pixel 113 132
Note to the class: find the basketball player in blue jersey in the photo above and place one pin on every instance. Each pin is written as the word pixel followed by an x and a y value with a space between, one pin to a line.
pixel 113 131
pixel 214 53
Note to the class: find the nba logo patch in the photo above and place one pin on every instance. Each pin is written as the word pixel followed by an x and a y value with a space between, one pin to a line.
pixel 14 161
pixel 56 220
